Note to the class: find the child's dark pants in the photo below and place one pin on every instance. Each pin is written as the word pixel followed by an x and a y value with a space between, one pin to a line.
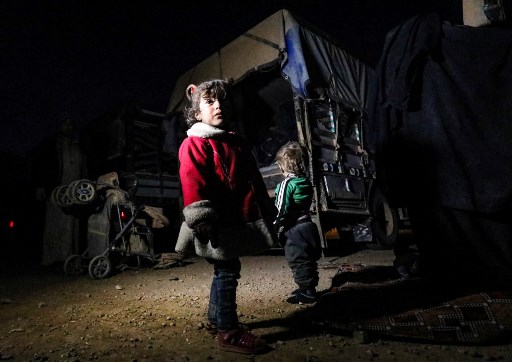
pixel 302 251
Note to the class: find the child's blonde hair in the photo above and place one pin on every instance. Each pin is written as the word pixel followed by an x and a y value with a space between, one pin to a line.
pixel 215 88
pixel 291 158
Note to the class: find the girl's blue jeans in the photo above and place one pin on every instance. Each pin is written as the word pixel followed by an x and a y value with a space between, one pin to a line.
pixel 222 305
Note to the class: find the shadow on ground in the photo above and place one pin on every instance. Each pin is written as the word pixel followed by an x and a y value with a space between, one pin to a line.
pixel 374 302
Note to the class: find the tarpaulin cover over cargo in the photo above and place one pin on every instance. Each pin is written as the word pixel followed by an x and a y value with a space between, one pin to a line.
pixel 308 60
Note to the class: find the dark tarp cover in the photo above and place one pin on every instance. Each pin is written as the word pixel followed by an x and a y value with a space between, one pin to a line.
pixel 315 61
pixel 442 98
pixel 440 114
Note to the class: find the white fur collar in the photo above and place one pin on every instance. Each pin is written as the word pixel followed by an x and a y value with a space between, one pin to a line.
pixel 204 130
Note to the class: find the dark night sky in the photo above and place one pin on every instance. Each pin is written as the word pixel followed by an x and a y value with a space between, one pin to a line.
pixel 84 57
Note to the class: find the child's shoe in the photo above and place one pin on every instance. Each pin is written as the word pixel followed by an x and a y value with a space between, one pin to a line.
pixel 303 296
pixel 241 341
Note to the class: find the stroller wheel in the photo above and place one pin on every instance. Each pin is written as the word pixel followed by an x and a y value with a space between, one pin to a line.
pixel 100 267
pixel 73 265
pixel 69 192
pixel 59 196
pixel 83 191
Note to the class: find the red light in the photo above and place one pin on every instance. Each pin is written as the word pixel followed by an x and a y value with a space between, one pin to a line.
pixel 123 215
pixel 11 224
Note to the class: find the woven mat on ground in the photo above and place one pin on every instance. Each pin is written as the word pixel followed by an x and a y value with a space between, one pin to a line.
pixel 376 300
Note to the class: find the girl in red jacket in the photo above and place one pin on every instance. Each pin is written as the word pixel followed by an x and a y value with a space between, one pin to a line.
pixel 227 210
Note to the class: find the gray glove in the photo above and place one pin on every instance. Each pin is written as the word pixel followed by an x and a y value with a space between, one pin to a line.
pixel 205 233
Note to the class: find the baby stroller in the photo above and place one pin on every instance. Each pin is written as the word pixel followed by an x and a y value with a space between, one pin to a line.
pixel 118 227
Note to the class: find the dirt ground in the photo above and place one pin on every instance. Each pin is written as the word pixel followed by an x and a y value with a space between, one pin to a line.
pixel 159 315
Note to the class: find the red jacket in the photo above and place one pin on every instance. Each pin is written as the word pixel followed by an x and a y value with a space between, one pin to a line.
pixel 217 166
pixel 220 180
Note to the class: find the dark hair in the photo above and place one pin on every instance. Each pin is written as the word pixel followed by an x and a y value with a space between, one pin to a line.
pixel 215 88
pixel 292 158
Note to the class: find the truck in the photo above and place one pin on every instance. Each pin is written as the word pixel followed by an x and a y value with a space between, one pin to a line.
pixel 294 82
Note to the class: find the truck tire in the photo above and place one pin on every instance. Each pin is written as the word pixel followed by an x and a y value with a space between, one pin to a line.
pixel 384 222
